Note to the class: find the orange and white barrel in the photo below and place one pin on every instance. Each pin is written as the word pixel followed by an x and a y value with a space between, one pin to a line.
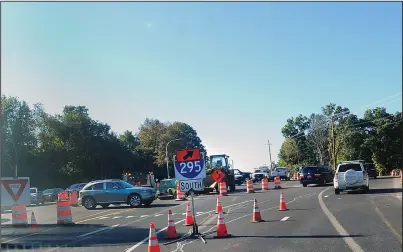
pixel 265 184
pixel 64 215
pixel 180 195
pixel 277 182
pixel 74 199
pixel 249 186
pixel 223 189
pixel 19 215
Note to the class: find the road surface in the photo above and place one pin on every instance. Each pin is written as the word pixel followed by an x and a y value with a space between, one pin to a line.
pixel 317 220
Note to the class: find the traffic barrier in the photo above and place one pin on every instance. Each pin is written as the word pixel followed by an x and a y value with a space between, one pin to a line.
pixel 277 183
pixel 189 215
pixel 265 184
pixel 256 216
pixel 74 199
pixel 180 196
pixel 64 216
pixel 63 196
pixel 19 215
pixel 249 186
pixel 34 224
pixel 221 227
pixel 223 189
pixel 153 245
pixel 283 205
pixel 171 230
pixel 218 208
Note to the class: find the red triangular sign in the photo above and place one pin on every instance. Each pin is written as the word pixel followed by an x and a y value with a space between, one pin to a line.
pixel 7 183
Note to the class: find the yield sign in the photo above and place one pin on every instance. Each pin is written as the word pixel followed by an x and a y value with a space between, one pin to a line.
pixel 15 183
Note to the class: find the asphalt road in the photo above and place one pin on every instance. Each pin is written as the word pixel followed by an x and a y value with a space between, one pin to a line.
pixel 317 220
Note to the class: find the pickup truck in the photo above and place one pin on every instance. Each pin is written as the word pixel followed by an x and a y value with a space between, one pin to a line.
pixel 281 172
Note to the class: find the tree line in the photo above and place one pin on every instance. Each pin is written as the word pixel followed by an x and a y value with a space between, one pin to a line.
pixel 336 135
pixel 71 147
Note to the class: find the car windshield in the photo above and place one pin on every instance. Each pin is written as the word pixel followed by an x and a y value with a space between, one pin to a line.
pixel 346 167
pixel 48 191
pixel 124 184
pixel 258 171
pixel 33 190
pixel 310 169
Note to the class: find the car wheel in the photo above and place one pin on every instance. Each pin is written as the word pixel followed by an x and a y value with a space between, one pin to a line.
pixel 134 200
pixel 304 185
pixel 104 205
pixel 89 203
pixel 366 189
pixel 375 177
pixel 336 191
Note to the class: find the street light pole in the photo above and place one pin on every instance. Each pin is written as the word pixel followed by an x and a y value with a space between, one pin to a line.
pixel 166 154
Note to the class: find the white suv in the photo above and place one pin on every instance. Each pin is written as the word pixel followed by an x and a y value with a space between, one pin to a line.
pixel 350 175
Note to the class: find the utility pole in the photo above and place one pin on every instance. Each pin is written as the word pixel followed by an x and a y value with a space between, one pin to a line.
pixel 268 143
pixel 166 154
pixel 333 142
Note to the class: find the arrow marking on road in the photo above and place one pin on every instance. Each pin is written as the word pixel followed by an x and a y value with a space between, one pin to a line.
pixel 97 231
pixel 326 196
pixel 285 218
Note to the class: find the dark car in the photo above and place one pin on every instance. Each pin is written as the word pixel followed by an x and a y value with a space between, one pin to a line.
pixel 50 195
pixel 315 175
pixel 246 175
pixel 75 187
pixel 370 169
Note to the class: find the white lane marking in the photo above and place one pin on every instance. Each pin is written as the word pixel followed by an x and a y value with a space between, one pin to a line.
pixel 174 213
pixel 326 196
pixel 339 228
pixel 158 215
pixel 184 214
pixel 117 217
pixel 285 218
pixel 233 199
pixel 338 198
pixel 104 217
pixel 163 229
pixel 143 216
pixel 199 213
pixel 128 217
pixel 97 231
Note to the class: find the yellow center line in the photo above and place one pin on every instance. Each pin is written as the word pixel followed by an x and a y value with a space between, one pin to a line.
pixel 81 221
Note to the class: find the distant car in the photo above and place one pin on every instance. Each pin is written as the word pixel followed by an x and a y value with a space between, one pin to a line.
pixel 350 175
pixel 315 175
pixel 36 196
pixel 247 175
pixel 239 178
pixel 50 195
pixel 281 172
pixel 75 187
pixel 258 175
pixel 115 191
pixel 371 170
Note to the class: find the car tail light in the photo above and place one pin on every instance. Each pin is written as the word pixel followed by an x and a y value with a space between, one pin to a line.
pixel 301 176
pixel 336 176
pixel 317 175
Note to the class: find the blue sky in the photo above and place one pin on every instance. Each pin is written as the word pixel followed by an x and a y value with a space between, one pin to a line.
pixel 234 71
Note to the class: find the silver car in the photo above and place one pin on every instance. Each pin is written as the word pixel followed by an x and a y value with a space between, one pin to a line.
pixel 115 191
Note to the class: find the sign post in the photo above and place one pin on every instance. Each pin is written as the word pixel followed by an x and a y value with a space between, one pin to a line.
pixel 190 170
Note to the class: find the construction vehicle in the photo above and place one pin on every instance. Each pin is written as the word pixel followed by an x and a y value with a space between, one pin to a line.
pixel 225 164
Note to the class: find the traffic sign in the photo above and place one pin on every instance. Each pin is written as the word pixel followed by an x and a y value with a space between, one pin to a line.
pixel 188 155
pixel 189 165
pixel 196 185
pixel 15 191
pixel 217 175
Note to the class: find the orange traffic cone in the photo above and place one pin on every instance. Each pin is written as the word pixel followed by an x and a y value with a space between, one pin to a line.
pixel 218 208
pixel 256 216
pixel 34 224
pixel 283 205
pixel 171 231
pixel 189 215
pixel 153 245
pixel 221 227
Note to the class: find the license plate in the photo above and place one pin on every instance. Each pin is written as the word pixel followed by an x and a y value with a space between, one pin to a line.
pixel 309 177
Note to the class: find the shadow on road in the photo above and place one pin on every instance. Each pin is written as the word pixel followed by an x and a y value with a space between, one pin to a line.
pixel 385 190
pixel 295 236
